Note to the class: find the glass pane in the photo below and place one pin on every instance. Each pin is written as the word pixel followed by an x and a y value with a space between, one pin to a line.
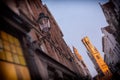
pixel 19 51
pixel 10 38
pixel 13 48
pixel 4 35
pixel 16 59
pixel 0 34
pixel 17 42
pixel 7 71
pixel 1 50
pixel 6 45
pixel 22 60
pixel 24 72
pixel 1 45
pixel 2 55
pixel 9 56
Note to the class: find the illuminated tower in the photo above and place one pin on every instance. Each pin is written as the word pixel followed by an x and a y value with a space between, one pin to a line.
pixel 82 66
pixel 96 58
pixel 77 53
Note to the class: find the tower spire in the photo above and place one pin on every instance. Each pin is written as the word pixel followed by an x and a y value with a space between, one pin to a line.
pixel 77 53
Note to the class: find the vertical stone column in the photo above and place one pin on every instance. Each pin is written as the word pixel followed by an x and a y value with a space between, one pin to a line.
pixel 42 68
pixel 59 75
pixel 29 55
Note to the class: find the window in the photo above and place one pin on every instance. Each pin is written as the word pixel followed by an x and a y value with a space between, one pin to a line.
pixel 95 49
pixel 10 49
pixel 97 56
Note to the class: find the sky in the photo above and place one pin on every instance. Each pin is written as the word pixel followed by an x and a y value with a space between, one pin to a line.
pixel 77 19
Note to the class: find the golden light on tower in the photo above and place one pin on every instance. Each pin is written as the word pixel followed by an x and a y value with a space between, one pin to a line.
pixel 77 53
pixel 100 65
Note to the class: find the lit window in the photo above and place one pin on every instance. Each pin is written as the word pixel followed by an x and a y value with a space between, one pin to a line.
pixel 19 51
pixel 4 35
pixel 16 42
pixel 1 45
pixel 2 55
pixel 8 56
pixel 10 49
pixel 22 61
pixel 10 38
pixel 16 59
pixel 6 45
pixel 97 56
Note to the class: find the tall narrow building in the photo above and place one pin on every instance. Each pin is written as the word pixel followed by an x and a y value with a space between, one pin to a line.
pixel 100 66
pixel 111 36
pixel 82 66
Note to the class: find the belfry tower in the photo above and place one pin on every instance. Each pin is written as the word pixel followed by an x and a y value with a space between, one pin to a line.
pixel 100 66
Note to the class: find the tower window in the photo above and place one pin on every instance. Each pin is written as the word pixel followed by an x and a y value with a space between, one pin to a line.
pixel 97 56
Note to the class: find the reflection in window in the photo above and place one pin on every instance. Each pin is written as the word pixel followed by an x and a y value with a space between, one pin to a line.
pixel 10 49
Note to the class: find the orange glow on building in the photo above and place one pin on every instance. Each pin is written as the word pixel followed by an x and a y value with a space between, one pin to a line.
pixel 77 53
pixel 100 65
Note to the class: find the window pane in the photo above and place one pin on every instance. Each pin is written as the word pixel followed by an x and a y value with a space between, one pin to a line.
pixel 9 56
pixel 19 51
pixel 22 60
pixel 1 45
pixel 2 55
pixel 6 45
pixel 16 59
pixel 10 38
pixel 13 48
pixel 17 42
pixel 4 35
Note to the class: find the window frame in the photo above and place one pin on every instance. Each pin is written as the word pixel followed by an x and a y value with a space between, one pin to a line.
pixel 7 52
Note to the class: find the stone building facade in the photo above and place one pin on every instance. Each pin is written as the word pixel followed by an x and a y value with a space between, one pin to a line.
pixel 29 52
pixel 83 70
pixel 111 39
pixel 111 53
